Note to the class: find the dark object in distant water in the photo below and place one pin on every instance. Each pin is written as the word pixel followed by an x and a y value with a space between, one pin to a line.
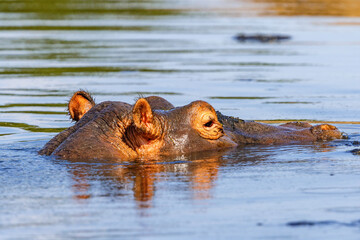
pixel 355 223
pixel 355 151
pixel 310 223
pixel 263 38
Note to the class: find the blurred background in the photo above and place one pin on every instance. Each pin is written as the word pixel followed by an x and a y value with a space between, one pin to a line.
pixel 182 50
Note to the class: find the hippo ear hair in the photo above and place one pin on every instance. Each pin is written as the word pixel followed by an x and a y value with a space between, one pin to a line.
pixel 80 103
pixel 142 113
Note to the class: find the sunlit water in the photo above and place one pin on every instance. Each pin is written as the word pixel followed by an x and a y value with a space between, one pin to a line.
pixel 183 51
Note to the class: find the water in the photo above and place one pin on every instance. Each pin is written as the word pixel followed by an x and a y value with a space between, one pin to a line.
pixel 183 51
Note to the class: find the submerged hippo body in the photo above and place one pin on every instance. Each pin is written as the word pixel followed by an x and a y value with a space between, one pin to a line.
pixel 154 127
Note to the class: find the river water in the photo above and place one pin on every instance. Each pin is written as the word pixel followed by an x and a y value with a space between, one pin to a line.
pixel 183 51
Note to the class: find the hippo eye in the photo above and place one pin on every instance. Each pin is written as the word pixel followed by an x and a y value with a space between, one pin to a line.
pixel 209 123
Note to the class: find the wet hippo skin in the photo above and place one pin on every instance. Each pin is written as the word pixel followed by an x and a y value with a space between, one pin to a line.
pixel 153 127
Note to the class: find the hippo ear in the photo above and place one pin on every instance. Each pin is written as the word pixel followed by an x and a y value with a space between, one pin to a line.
pixel 80 103
pixel 142 113
pixel 145 120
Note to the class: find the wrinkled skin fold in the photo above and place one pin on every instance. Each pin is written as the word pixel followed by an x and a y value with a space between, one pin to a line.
pixel 153 127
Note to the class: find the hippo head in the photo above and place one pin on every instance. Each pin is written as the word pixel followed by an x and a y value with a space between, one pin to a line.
pixel 151 127
pixel 193 127
pixel 190 128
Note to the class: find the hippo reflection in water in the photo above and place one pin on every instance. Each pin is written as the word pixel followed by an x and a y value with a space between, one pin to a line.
pixel 153 127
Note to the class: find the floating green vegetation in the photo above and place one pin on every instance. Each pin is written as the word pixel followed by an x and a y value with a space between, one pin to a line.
pixel 44 45
pixel 280 121
pixel 43 41
pixel 289 102
pixel 5 134
pixel 254 64
pixel 59 71
pixel 279 80
pixel 62 9
pixel 67 94
pixel 91 70
pixel 33 95
pixel 135 93
pixel 286 120
pixel 33 105
pixel 268 80
pixel 42 56
pixel 36 112
pixel 75 28
pixel 33 90
pixel 240 97
pixel 30 128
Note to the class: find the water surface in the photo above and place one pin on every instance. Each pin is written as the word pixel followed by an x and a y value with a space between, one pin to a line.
pixel 183 51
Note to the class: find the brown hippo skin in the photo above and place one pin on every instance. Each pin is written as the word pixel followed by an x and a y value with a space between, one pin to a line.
pixel 153 127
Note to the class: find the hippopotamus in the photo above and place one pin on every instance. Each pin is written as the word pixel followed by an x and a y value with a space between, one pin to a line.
pixel 153 127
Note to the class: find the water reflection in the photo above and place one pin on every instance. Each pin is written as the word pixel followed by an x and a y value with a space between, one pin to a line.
pixel 195 174
pixel 198 172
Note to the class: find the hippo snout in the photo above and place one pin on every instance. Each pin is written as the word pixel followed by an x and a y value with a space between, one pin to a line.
pixel 325 132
